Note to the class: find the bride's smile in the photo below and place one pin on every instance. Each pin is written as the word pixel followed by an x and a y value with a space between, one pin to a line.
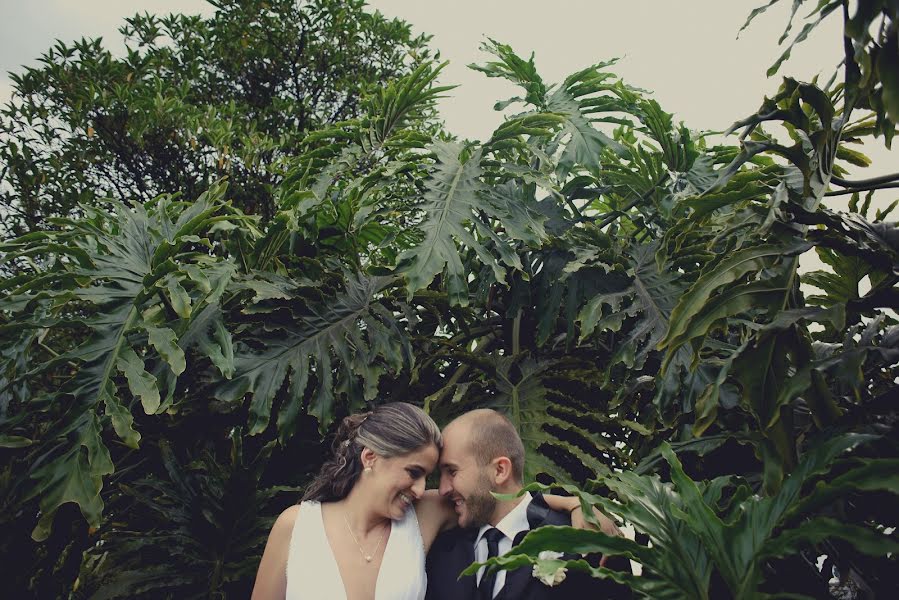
pixel 400 480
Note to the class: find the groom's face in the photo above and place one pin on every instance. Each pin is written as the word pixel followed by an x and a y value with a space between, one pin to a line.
pixel 463 481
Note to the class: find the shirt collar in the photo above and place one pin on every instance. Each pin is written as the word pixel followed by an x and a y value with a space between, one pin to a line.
pixel 512 523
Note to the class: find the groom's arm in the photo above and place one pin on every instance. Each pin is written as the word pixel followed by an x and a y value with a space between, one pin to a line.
pixel 572 505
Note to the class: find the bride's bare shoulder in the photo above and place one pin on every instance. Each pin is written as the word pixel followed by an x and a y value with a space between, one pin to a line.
pixel 287 518
pixel 282 529
pixel 271 578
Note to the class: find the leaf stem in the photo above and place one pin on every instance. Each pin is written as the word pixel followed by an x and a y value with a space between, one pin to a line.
pixel 641 198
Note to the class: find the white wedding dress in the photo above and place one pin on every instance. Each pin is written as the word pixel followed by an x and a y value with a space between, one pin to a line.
pixel 312 572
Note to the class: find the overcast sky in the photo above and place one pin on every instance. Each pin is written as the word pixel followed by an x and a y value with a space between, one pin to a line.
pixel 686 52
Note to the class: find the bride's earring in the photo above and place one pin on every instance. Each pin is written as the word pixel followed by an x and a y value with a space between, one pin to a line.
pixel 367 470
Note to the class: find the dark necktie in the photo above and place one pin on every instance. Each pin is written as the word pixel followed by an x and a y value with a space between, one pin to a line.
pixel 485 588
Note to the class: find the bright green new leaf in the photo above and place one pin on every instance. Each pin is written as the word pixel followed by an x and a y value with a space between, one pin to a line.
pixel 164 340
pixel 141 383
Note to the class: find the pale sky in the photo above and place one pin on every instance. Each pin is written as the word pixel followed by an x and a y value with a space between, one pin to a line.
pixel 686 52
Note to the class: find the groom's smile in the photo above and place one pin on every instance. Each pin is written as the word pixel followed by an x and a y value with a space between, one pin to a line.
pixel 462 481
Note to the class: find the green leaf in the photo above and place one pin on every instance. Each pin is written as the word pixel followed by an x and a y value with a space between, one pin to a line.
pixel 451 196
pixel 163 339
pixel 141 383
pixel 552 537
pixel 703 520
pixel 121 417
pixel 733 301
pixel 207 332
pixel 649 291
pixel 515 69
pixel 453 207
pixel 585 143
pixel 888 69
pixel 521 396
pixel 345 326
pixel 725 272
pixel 179 298
pixel 802 35
pixel 14 441
pixel 817 460
pixel 74 476
pixel 816 530
pixel 756 12
pixel 866 475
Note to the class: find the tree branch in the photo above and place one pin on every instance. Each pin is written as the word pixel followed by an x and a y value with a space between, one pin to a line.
pixel 862 189
pixel 860 183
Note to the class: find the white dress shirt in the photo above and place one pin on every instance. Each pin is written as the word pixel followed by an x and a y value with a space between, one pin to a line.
pixel 510 525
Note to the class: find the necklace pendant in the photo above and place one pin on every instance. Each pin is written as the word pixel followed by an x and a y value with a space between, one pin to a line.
pixel 368 559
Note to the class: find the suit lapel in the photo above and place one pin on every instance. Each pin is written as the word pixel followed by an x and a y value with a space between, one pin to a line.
pixel 467 585
pixel 451 554
pixel 519 579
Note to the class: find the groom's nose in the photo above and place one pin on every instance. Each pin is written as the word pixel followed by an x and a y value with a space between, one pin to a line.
pixel 446 486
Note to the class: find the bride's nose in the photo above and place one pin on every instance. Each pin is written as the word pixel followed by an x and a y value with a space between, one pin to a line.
pixel 418 488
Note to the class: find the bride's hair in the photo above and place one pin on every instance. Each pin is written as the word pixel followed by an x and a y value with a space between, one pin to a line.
pixel 391 429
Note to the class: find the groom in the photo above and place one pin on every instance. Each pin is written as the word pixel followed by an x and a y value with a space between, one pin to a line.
pixel 483 453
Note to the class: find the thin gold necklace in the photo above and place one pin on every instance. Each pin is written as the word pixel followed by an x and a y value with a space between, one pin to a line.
pixel 367 557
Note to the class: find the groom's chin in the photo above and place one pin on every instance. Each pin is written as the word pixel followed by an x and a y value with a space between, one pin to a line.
pixel 462 519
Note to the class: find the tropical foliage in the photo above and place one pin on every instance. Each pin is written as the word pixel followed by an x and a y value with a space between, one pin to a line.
pixel 626 289
pixel 717 539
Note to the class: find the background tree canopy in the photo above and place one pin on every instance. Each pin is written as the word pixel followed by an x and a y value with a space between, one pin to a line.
pixel 626 290
pixel 193 100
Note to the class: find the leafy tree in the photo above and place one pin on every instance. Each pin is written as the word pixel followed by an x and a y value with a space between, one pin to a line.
pixel 768 378
pixel 193 100
pixel 625 290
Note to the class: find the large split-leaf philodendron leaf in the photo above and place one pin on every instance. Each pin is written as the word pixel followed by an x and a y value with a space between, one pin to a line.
pixel 453 207
pixel 350 334
pixel 522 397
pixel 133 287
pixel 647 292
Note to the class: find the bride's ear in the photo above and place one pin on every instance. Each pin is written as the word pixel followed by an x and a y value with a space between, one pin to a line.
pixel 368 458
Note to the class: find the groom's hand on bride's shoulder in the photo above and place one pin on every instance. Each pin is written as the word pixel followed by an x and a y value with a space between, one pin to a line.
pixel 606 525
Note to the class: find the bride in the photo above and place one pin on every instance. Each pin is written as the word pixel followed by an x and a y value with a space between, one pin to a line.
pixel 366 522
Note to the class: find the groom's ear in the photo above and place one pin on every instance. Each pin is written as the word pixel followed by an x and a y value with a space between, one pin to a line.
pixel 502 470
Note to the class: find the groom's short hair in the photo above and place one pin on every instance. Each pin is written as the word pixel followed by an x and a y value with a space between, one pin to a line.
pixel 492 435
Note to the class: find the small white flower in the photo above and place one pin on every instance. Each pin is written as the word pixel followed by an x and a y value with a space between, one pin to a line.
pixel 550 570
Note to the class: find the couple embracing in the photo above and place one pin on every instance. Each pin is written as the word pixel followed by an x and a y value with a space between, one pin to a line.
pixel 366 523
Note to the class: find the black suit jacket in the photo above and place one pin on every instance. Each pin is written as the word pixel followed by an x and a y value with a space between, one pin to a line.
pixel 453 551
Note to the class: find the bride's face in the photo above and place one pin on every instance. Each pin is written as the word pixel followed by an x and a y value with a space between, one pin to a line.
pixel 400 480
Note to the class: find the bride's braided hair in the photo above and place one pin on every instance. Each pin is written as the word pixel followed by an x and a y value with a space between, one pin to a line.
pixel 391 429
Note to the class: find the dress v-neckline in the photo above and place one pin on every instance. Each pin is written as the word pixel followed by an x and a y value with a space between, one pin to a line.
pixel 321 517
